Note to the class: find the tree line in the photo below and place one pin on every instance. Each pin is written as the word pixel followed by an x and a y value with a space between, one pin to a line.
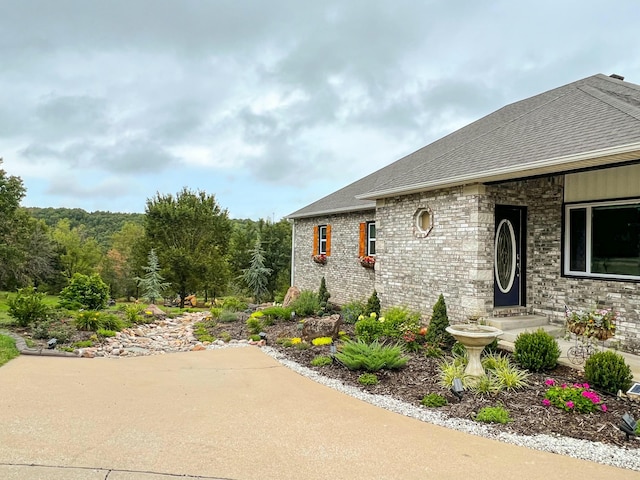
pixel 199 249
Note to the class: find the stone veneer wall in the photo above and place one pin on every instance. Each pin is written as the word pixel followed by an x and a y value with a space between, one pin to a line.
pixel 547 290
pixel 454 259
pixel 346 279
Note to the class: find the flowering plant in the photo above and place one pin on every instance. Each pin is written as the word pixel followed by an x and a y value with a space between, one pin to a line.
pixel 368 261
pixel 594 323
pixel 572 398
pixel 321 259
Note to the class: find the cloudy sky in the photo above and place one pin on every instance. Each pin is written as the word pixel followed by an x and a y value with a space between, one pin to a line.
pixel 273 104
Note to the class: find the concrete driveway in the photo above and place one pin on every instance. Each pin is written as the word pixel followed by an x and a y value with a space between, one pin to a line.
pixel 230 414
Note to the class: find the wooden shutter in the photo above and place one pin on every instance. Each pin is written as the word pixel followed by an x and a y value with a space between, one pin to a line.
pixel 328 248
pixel 362 246
pixel 315 240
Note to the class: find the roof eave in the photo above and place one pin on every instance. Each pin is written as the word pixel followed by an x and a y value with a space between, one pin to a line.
pixel 318 213
pixel 595 158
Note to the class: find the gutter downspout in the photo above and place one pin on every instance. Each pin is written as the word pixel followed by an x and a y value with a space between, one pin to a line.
pixel 293 254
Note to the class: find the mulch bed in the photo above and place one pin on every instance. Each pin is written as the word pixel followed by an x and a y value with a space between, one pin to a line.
pixel 420 377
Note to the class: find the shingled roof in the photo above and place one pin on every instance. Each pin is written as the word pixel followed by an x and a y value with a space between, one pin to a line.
pixel 592 122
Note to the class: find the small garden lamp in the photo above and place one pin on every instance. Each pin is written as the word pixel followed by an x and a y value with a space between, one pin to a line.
pixel 457 389
pixel 51 344
pixel 263 336
pixel 628 425
pixel 332 350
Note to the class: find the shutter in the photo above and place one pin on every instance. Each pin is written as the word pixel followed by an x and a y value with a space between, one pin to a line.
pixel 328 240
pixel 315 240
pixel 362 246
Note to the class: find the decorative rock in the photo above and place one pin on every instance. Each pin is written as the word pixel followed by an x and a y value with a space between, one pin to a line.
pixel 321 327
pixel 197 348
pixel 292 295
pixel 155 311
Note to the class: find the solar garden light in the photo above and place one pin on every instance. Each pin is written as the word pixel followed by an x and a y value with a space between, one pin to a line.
pixel 51 344
pixel 263 336
pixel 457 389
pixel 332 350
pixel 628 425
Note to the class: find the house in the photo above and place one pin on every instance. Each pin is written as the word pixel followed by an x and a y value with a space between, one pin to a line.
pixel 531 208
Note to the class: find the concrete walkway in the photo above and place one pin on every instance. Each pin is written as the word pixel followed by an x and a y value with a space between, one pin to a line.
pixel 230 414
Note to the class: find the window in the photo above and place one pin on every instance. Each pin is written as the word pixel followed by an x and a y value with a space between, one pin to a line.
pixel 603 239
pixel 371 238
pixel 367 244
pixel 322 240
pixel 422 222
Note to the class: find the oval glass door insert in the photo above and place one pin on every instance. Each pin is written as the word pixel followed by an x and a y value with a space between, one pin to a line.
pixel 505 256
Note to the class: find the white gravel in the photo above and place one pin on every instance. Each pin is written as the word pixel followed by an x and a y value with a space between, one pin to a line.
pixel 628 458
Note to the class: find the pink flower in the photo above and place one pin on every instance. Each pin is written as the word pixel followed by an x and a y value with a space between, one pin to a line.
pixel 549 381
pixel 570 404
pixel 564 385
pixel 585 385
pixel 603 407
pixel 546 402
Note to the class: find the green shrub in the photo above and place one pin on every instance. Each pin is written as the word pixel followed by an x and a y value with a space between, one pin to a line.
pixel 486 383
pixel 28 307
pixel 103 332
pixel 368 379
pixel 434 400
pixel 495 361
pixel 83 344
pixel 88 321
pixel 321 361
pixel 277 313
pixel 225 337
pixel 216 312
pixel 301 346
pixel 432 351
pixel 437 333
pixel 255 338
pixel 493 415
pixel 369 329
pixel 201 332
pixel 133 313
pixel 233 304
pixel 110 321
pixel 399 320
pixel 320 341
pixel 536 351
pixel 360 355
pixel 608 371
pixel 254 325
pixel 89 292
pixel 306 304
pixel 227 316
pixel 352 310
pixel 373 305
pixel 51 328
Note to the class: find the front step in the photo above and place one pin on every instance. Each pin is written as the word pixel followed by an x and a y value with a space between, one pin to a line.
pixel 515 325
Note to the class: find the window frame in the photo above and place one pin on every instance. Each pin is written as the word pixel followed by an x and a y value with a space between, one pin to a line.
pixel 322 242
pixel 566 241
pixel 369 240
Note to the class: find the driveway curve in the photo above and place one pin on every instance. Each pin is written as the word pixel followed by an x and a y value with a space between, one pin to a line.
pixel 233 413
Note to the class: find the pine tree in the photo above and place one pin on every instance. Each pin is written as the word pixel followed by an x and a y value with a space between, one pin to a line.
pixel 152 284
pixel 373 305
pixel 257 275
pixel 437 333
pixel 323 294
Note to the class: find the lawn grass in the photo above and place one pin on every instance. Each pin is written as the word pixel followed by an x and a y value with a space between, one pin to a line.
pixel 8 349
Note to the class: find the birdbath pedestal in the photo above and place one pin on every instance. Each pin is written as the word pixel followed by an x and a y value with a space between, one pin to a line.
pixel 474 338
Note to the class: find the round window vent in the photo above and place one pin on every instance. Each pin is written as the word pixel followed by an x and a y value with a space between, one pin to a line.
pixel 423 222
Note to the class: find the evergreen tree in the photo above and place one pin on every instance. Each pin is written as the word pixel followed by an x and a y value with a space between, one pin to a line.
pixel 373 305
pixel 152 283
pixel 323 294
pixel 257 275
pixel 437 333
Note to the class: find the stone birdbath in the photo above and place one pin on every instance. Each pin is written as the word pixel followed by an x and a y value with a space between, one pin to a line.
pixel 474 338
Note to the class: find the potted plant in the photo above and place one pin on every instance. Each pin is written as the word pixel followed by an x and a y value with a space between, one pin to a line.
pixel 368 261
pixel 595 323
pixel 320 259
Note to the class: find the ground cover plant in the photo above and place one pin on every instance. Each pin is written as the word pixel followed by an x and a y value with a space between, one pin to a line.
pixel 8 350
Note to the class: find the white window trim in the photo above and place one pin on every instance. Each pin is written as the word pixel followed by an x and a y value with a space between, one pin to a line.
pixel 566 240
pixel 369 239
pixel 322 243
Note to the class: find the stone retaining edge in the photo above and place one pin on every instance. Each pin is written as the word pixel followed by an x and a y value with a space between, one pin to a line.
pixel 22 347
